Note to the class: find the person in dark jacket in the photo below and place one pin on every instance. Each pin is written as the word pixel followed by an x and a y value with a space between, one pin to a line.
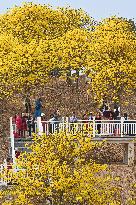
pixel 52 124
pixel 98 117
pixel 38 108
pixel 27 105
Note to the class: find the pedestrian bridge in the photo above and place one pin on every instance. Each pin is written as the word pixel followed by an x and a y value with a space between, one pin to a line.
pixel 113 131
pixel 114 128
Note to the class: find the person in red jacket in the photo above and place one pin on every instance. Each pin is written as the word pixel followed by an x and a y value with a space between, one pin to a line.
pixel 19 125
pixel 9 163
pixel 24 125
pixel 17 153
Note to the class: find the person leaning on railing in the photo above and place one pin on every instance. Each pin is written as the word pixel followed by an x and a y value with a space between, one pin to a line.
pixel 90 116
pixel 126 127
pixel 98 123
pixel 24 124
pixel 31 124
pixel 58 120
pixel 73 120
pixel 51 124
pixel 85 121
pixel 19 125
pixel 131 125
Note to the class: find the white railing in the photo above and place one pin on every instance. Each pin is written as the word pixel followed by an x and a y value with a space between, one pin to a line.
pixel 4 174
pixel 12 131
pixel 112 128
pixel 2 181
pixel 99 127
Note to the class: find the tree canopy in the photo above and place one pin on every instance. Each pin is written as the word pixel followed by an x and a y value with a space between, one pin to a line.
pixel 35 21
pixel 34 33
pixel 60 170
pixel 113 58
pixel 37 39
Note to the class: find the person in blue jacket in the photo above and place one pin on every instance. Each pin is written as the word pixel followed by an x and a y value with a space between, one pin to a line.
pixel 38 108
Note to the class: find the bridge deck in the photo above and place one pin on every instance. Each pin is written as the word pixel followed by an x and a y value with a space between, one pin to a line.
pixel 121 140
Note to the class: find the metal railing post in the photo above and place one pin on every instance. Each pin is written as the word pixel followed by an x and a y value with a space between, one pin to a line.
pixel 93 126
pixel 5 170
pixel 12 141
pixel 122 121
pixel 63 124
pixel 39 126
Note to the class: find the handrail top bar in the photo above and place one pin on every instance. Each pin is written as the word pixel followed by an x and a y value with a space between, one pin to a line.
pixel 80 121
pixel 88 121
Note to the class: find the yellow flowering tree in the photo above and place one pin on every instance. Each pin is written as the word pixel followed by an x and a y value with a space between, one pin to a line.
pixel 36 27
pixel 7 43
pixel 112 62
pixel 35 21
pixel 59 170
pixel 68 52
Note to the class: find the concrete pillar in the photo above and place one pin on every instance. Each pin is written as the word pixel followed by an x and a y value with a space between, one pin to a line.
pixel 129 153
pixel 125 154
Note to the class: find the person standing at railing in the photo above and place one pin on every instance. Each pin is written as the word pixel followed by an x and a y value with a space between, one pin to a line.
pixel 130 125
pixel 44 123
pixel 85 121
pixel 58 119
pixel 134 124
pixel 19 125
pixel 58 115
pixel 30 125
pixel 51 124
pixel 15 131
pixel 111 124
pixel 116 111
pixel 90 117
pixel 17 153
pixel 38 108
pixel 24 125
pixel 9 163
pixel 98 119
pixel 73 120
pixel 27 104
pixel 104 107
pixel 110 116
pixel 126 126
pixel 33 123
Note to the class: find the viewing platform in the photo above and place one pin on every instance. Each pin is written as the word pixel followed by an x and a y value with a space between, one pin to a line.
pixel 111 131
